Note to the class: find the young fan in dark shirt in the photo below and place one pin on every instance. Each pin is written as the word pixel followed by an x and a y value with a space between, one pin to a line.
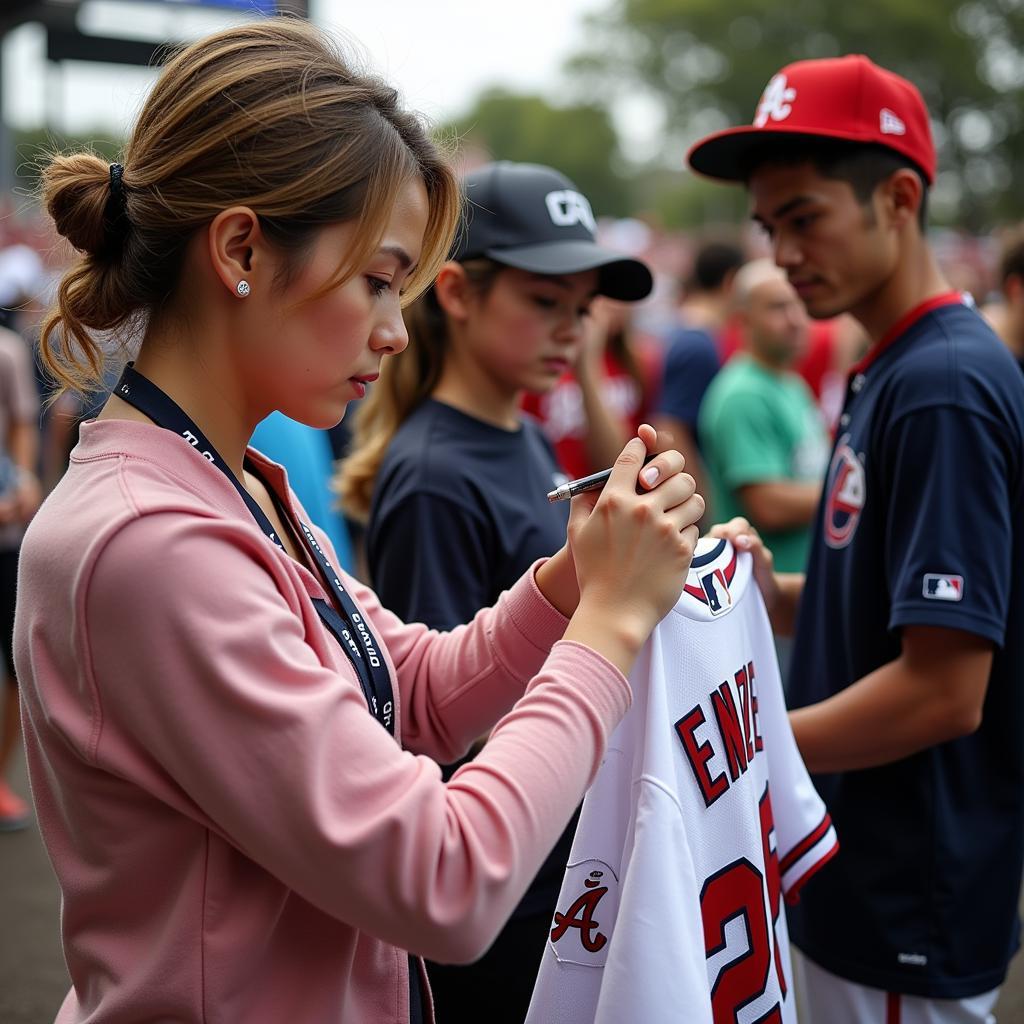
pixel 454 478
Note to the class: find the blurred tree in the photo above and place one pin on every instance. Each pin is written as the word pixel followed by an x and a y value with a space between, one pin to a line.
pixel 706 62
pixel 580 141
pixel 682 201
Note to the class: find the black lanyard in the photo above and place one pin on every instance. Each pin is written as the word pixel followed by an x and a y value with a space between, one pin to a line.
pixel 349 627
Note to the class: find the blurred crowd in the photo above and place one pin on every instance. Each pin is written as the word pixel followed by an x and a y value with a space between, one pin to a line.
pixel 718 329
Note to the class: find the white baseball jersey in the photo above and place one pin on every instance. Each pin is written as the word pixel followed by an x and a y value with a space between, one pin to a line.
pixel 701 818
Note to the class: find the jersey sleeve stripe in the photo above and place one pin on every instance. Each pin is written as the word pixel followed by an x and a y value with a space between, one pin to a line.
pixel 892 1008
pixel 815 858
pixel 812 837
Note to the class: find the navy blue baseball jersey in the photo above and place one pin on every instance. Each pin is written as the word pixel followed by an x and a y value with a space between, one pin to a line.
pixel 459 513
pixel 922 523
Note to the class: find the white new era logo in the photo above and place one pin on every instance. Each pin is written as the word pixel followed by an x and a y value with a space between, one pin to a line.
pixel 776 102
pixel 890 124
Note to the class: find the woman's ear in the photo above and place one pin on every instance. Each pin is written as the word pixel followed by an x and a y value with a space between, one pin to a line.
pixel 239 252
pixel 453 291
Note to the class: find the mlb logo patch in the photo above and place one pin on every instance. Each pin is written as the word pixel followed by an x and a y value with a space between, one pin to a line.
pixel 716 589
pixel 939 587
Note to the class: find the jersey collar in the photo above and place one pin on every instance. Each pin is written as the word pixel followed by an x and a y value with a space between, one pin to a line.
pixel 904 324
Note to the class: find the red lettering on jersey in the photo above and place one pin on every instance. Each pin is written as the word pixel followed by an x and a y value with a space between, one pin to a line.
pixel 581 915
pixel 736 891
pixel 732 732
pixel 698 754
pixel 743 692
pixel 758 742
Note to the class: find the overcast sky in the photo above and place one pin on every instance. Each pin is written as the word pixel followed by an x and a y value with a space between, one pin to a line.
pixel 440 53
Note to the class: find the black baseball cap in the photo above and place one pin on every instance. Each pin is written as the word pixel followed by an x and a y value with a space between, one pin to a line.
pixel 533 218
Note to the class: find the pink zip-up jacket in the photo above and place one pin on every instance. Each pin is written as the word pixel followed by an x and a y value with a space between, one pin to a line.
pixel 238 841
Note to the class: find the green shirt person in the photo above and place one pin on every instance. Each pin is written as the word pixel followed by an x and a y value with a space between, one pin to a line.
pixel 764 441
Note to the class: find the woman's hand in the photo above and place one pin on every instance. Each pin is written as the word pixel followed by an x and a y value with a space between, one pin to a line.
pixel 556 578
pixel 632 544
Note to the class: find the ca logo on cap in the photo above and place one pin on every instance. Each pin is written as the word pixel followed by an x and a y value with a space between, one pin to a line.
pixel 775 102
pixel 567 208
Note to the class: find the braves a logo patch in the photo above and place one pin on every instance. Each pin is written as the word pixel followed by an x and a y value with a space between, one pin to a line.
pixel 776 101
pixel 580 932
pixel 845 494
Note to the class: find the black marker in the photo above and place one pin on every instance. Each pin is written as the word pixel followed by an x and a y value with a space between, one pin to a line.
pixel 585 483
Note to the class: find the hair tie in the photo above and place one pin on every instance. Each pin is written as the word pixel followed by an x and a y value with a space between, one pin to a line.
pixel 116 213
pixel 116 184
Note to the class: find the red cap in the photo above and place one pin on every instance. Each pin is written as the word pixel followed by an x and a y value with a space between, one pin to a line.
pixel 847 98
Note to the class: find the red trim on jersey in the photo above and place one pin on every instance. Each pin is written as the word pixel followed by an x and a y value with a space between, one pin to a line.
pixel 793 892
pixel 892 1008
pixel 695 592
pixel 902 325
pixel 730 569
pixel 805 844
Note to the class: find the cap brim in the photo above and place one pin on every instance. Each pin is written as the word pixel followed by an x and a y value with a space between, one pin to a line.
pixel 620 277
pixel 726 154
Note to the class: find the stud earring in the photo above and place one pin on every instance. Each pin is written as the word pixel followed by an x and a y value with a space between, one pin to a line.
pixel 243 289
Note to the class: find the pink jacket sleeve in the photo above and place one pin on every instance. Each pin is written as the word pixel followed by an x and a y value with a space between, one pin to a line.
pixel 454 686
pixel 214 690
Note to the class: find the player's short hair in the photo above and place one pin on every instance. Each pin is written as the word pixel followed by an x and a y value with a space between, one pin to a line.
pixel 1011 259
pixel 714 263
pixel 863 166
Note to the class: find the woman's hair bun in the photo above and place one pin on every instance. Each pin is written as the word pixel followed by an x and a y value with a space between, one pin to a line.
pixel 76 190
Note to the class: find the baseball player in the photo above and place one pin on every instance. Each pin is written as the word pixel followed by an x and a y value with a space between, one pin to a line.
pixel 910 621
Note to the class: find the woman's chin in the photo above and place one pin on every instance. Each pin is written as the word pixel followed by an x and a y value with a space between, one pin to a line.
pixel 320 415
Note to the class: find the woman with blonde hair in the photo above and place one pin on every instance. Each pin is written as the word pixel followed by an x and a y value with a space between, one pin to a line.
pixel 225 735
